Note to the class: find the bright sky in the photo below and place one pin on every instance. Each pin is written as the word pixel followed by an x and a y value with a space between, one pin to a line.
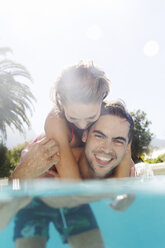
pixel 124 37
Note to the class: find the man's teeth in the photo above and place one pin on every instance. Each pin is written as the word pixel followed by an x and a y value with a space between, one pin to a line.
pixel 103 158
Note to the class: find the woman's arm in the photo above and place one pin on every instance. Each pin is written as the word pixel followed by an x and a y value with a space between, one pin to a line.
pixel 52 124
pixel 56 128
pixel 126 167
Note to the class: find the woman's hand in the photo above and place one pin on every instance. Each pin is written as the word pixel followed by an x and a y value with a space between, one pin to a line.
pixel 126 166
pixel 37 158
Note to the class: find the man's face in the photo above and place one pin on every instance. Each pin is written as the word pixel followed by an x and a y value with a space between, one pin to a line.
pixel 106 144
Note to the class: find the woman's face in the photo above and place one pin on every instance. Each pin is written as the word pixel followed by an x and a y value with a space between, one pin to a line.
pixel 82 115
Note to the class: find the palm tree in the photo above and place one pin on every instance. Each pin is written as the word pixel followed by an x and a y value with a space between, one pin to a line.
pixel 15 97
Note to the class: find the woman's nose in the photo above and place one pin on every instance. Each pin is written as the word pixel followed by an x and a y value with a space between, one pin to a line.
pixel 82 124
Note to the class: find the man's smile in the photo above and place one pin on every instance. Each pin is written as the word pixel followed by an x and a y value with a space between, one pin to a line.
pixel 103 160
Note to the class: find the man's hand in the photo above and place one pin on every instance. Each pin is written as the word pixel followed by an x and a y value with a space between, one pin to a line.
pixel 37 158
pixel 122 202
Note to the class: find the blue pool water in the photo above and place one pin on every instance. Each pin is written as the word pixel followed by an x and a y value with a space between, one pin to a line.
pixel 141 225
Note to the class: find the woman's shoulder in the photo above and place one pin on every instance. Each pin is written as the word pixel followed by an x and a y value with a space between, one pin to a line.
pixel 56 113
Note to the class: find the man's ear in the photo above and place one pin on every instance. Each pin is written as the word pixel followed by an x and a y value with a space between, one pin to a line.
pixel 129 147
pixel 85 136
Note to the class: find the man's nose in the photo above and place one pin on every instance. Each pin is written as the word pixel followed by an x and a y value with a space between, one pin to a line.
pixel 107 146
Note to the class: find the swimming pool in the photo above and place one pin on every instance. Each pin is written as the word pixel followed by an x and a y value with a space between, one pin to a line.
pixel 141 225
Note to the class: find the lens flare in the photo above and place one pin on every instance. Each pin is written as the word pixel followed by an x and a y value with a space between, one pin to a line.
pixel 151 48
pixel 94 32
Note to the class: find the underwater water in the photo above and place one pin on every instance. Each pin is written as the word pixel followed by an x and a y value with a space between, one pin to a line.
pixel 141 225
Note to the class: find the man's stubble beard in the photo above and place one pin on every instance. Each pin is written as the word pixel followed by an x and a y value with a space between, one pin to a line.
pixel 111 173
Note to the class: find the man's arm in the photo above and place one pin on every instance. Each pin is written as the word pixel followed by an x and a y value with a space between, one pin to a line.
pixel 120 202
pixel 72 200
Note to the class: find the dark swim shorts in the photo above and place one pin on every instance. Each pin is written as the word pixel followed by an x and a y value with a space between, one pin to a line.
pixel 34 220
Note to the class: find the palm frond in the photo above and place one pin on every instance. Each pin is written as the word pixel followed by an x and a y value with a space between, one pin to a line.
pixel 16 97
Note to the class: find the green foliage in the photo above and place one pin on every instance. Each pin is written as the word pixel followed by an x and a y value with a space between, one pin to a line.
pixel 159 159
pixel 15 154
pixel 9 159
pixel 15 96
pixel 162 157
pixel 5 166
pixel 142 135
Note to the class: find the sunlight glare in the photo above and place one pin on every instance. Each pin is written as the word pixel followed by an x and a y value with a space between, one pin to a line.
pixel 94 32
pixel 151 48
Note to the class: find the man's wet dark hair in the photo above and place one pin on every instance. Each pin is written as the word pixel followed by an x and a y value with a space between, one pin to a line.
pixel 117 108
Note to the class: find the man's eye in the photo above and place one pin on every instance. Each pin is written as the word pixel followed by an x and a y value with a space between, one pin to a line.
pixel 120 142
